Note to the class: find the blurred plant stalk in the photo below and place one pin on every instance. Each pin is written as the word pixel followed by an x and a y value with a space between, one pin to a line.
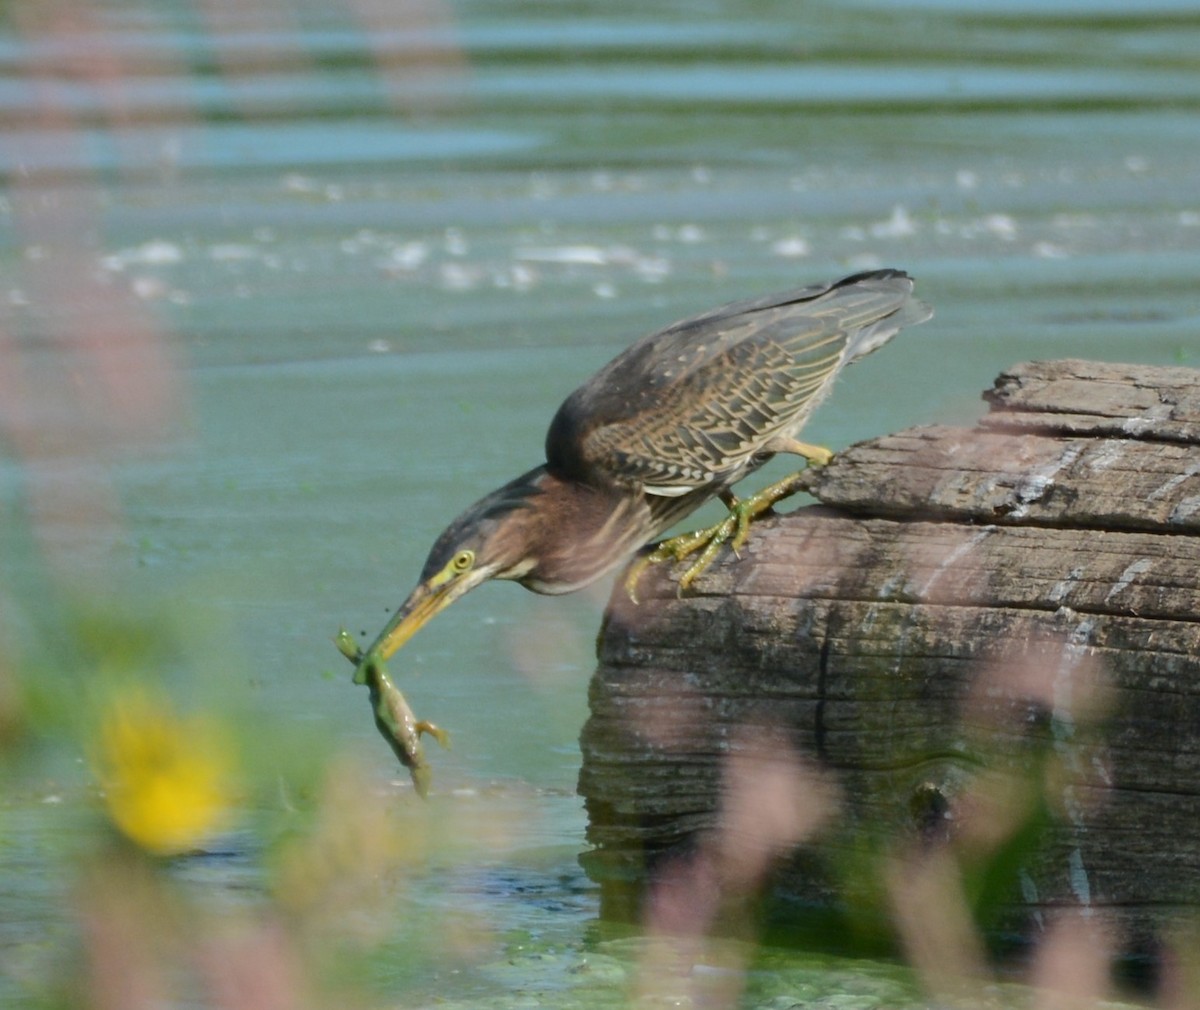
pixel 90 376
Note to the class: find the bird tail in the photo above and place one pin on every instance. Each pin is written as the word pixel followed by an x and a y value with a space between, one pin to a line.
pixel 910 312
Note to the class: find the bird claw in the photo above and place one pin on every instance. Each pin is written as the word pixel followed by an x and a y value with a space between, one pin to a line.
pixel 707 541
pixel 734 529
pixel 719 536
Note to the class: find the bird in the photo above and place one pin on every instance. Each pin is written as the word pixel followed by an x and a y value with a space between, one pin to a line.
pixel 676 419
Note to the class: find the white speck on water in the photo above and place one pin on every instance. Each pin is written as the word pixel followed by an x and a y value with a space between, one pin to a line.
pixel 1049 251
pixel 1189 218
pixel 1137 163
pixel 379 347
pixel 294 182
pixel 1132 571
pixel 1002 226
pixel 652 269
pixel 457 277
pixel 690 234
pixel 405 258
pixel 701 176
pixel 523 277
pixel 148 288
pixel 701 970
pixel 604 290
pixel 964 178
pixel 157 252
pixel 17 298
pixel 791 248
pixel 899 225
pixel 575 255
pixel 517 277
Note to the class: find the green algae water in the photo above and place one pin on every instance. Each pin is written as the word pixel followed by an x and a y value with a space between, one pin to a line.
pixel 380 246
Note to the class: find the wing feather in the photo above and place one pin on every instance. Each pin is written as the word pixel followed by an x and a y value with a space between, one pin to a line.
pixel 691 405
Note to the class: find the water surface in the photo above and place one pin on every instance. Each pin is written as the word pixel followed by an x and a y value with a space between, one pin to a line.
pixel 383 247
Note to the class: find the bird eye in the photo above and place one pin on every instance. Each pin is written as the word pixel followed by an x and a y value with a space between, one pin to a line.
pixel 463 560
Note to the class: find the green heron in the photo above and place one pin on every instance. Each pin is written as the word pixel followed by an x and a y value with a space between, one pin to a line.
pixel 675 420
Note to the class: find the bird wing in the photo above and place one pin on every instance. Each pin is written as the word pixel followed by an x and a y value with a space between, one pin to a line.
pixel 690 405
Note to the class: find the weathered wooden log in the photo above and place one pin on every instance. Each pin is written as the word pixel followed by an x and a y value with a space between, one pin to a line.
pixel 1014 606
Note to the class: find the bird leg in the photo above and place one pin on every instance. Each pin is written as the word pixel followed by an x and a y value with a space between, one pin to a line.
pixel 734 529
pixel 815 455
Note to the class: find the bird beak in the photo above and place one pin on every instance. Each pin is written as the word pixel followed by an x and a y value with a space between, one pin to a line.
pixel 422 603
pixel 428 599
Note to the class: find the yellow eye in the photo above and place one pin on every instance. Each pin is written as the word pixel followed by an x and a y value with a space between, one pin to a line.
pixel 463 560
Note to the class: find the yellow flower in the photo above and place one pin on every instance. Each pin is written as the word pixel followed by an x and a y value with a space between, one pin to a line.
pixel 166 778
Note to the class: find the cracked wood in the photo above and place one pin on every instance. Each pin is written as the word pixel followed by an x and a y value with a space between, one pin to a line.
pixel 959 599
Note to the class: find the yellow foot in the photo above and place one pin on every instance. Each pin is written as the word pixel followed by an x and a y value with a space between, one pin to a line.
pixel 707 541
pixel 734 529
pixel 817 455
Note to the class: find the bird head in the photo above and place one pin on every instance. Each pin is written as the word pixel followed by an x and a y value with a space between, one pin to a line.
pixel 490 540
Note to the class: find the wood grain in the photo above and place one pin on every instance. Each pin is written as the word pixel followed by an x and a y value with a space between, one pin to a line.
pixel 1010 607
